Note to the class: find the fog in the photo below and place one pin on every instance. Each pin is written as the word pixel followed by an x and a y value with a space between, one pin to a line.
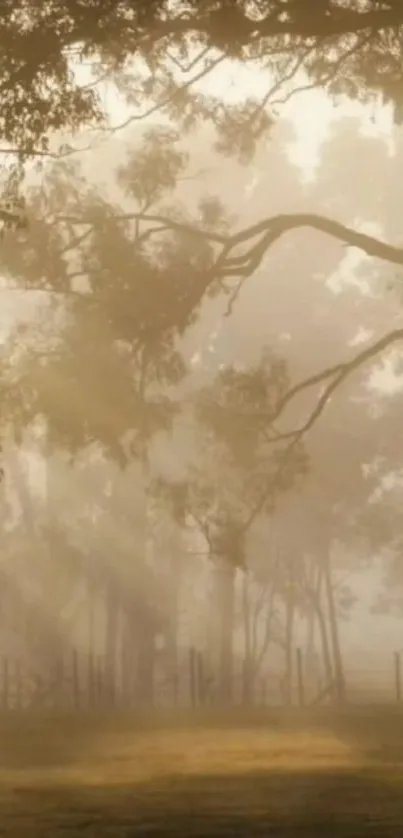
pixel 115 489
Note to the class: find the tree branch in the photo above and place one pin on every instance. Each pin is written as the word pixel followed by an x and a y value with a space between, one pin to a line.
pixel 164 223
pixel 165 101
pixel 341 21
pixel 269 230
pixel 338 374
pixel 324 80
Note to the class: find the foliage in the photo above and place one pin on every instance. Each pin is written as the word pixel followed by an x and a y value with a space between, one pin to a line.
pixel 238 473
pixel 147 44
pixel 102 363
pixel 100 358
pixel 153 169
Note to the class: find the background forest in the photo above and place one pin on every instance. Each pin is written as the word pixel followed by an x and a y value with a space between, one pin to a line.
pixel 147 509
pixel 201 427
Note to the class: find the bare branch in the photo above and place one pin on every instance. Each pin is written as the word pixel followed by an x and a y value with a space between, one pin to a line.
pixel 271 488
pixel 163 222
pixel 202 526
pixel 270 230
pixel 325 78
pixel 195 61
pixel 276 87
pixel 167 100
pixel 25 154
pixel 338 374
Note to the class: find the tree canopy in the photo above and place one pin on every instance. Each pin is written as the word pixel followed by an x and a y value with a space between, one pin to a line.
pixel 351 49
pixel 156 52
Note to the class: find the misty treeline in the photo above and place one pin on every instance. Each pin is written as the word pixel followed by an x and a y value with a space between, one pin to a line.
pixel 167 485
pixel 196 451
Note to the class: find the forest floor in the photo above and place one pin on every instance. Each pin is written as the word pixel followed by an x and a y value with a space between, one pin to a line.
pixel 288 774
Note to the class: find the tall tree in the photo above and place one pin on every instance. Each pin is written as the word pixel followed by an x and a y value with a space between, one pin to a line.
pixel 144 49
pixel 99 364
pixel 236 477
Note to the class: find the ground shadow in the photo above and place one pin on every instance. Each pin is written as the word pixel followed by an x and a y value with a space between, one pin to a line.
pixel 373 731
pixel 363 798
pixel 42 740
pixel 287 805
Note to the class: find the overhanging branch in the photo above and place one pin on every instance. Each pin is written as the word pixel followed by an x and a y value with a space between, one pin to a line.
pixel 267 231
pixel 270 230
pixel 337 375
pixel 332 377
pixel 254 241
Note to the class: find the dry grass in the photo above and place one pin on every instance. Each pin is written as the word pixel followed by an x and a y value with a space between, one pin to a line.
pixel 272 774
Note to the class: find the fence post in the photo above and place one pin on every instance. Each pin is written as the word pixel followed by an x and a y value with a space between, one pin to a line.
pixel 398 676
pixel 300 678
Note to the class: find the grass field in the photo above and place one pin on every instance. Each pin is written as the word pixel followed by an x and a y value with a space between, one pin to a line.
pixel 275 774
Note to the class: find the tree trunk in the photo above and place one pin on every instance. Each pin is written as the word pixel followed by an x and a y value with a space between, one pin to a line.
pixel 334 632
pixel 289 635
pixel 226 604
pixel 318 615
pixel 91 608
pixel 310 635
pixel 176 572
pixel 145 669
pixel 19 481
pixel 43 632
pixel 326 654
pixel 311 660
pixel 172 655
pixel 127 661
pixel 248 667
pixel 111 640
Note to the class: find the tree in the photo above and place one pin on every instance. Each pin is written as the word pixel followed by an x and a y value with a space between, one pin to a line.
pixel 128 283
pixel 359 425
pixel 333 43
pixel 235 479
pixel 99 366
pixel 142 47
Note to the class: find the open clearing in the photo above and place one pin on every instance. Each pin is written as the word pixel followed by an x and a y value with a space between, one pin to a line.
pixel 286 774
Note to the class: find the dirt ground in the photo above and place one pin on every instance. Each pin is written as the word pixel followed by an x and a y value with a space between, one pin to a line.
pixel 272 774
